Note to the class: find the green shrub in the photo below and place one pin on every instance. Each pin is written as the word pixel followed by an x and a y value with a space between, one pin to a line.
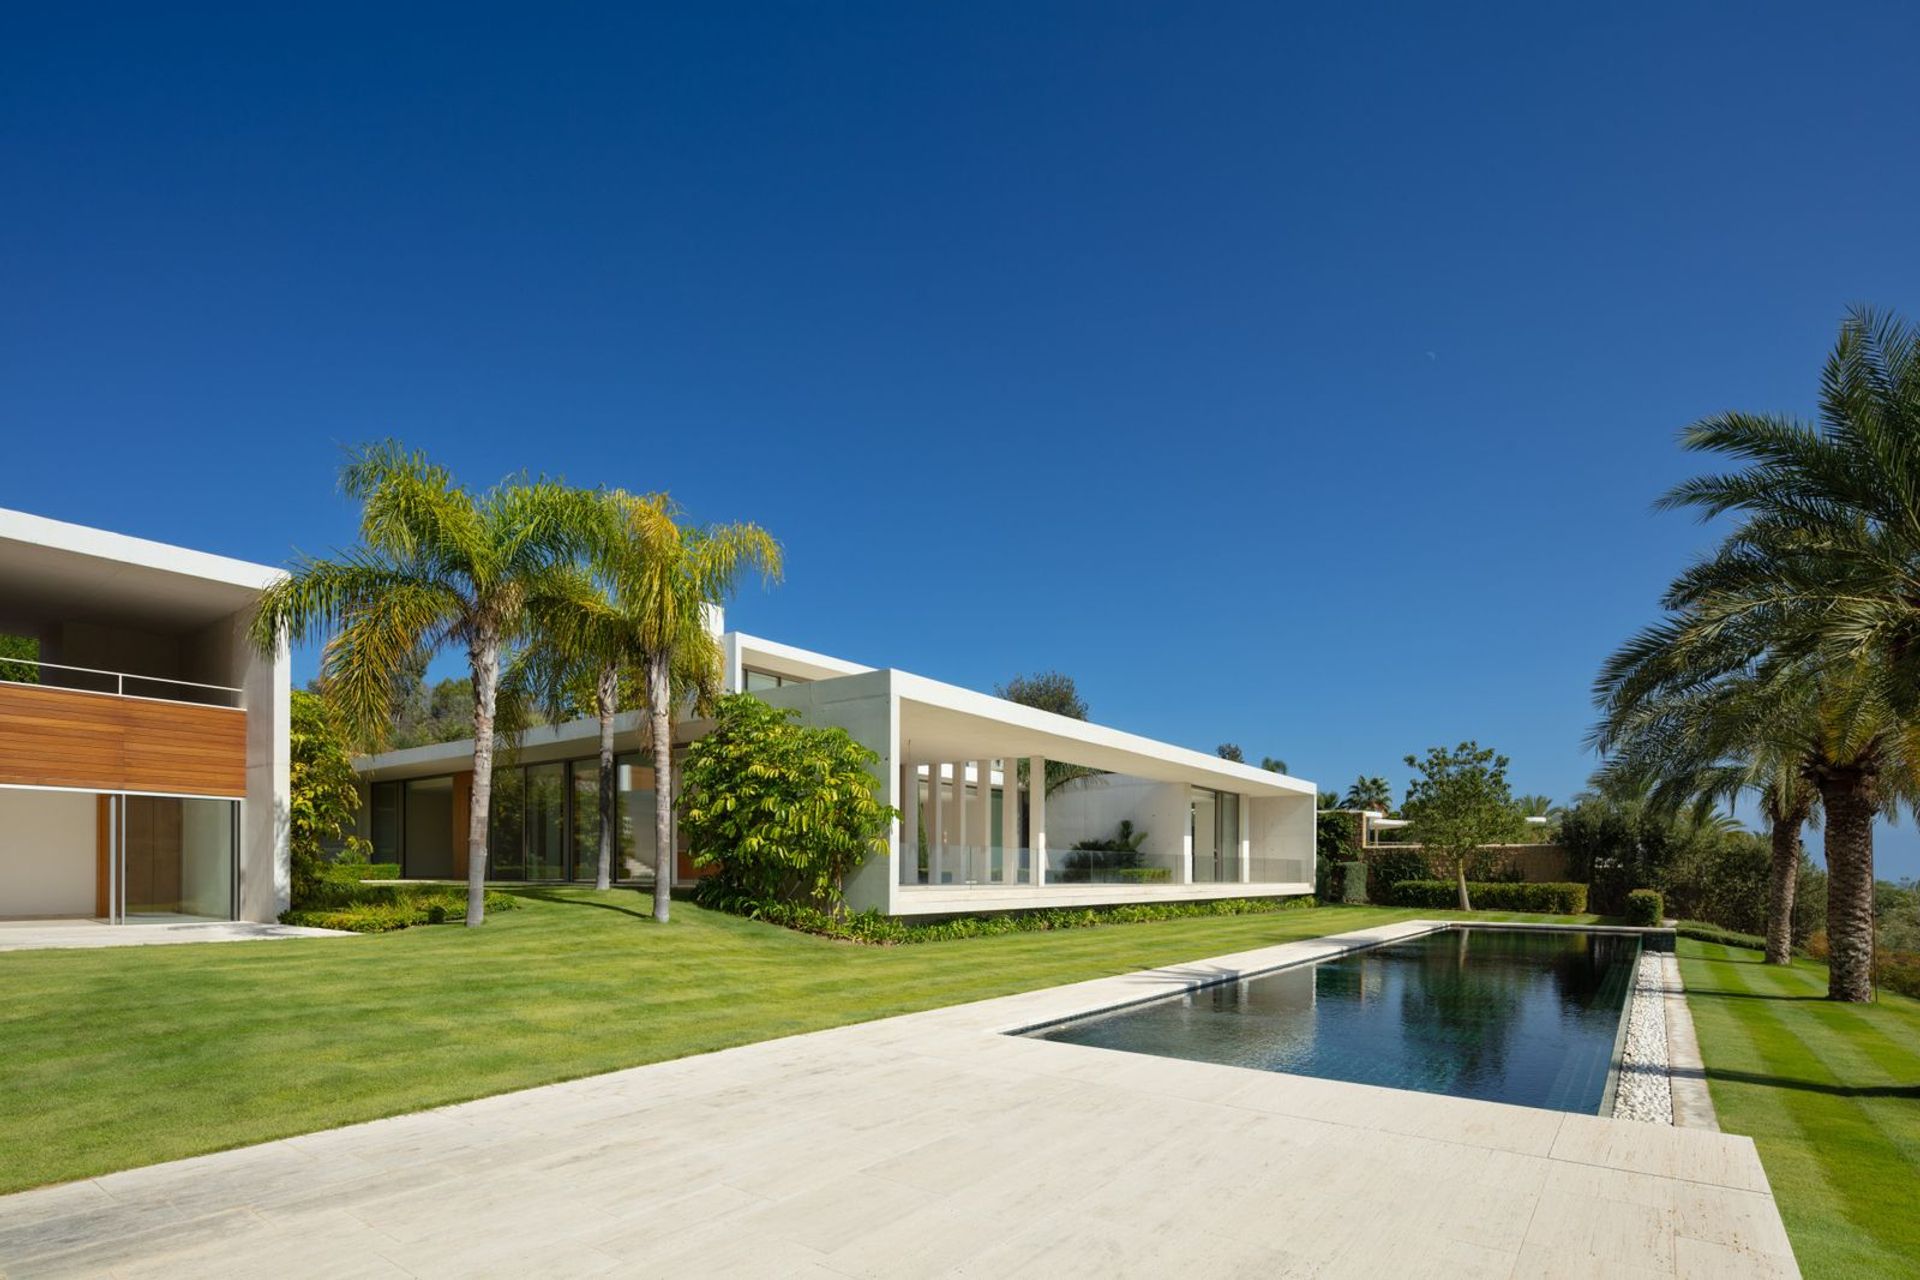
pixel 782 812
pixel 20 647
pixel 875 929
pixel 1388 867
pixel 1546 899
pixel 1645 907
pixel 1701 931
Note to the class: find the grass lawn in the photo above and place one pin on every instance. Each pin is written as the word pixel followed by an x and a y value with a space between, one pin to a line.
pixel 131 1055
pixel 1831 1095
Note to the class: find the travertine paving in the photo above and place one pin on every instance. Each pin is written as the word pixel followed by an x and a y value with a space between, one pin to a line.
pixel 66 935
pixel 932 1145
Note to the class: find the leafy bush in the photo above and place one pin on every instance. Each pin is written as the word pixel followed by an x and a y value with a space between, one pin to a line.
pixel 1547 899
pixel 1388 867
pixel 875 929
pixel 323 793
pixel 783 811
pixel 1645 907
pixel 1122 860
pixel 1701 931
pixel 19 647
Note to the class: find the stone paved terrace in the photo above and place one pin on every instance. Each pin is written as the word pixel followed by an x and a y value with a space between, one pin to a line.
pixel 932 1145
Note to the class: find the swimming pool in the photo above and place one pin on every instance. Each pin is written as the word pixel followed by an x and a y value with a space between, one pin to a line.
pixel 1532 1017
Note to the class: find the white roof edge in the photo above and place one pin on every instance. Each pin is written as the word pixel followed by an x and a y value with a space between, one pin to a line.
pixel 586 728
pixel 121 548
pixel 794 653
pixel 969 701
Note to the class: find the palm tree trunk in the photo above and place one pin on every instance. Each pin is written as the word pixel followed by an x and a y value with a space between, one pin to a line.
pixel 1783 881
pixel 1460 870
pixel 660 709
pixel 483 653
pixel 1847 795
pixel 609 702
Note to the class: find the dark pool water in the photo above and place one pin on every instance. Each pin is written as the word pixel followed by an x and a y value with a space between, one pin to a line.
pixel 1502 1015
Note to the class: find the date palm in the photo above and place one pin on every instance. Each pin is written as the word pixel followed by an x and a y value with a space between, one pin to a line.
pixel 1788 728
pixel 437 566
pixel 1369 793
pixel 666 576
pixel 1688 745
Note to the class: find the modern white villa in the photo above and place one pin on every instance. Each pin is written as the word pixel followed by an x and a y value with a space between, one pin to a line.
pixel 975 833
pixel 143 740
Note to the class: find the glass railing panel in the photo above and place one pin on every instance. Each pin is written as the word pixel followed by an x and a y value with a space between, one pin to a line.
pixel 1104 866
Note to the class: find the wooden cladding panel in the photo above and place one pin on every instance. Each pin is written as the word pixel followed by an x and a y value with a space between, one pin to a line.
pixel 63 738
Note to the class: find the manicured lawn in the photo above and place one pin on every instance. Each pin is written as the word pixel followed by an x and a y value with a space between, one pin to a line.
pixel 1831 1095
pixel 128 1056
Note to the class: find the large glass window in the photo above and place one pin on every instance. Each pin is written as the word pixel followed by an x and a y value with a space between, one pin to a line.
pixel 506 826
pixel 636 817
pixel 547 821
pixel 586 821
pixel 752 681
pixel 383 820
pixel 1216 837
pixel 428 854
pixel 179 857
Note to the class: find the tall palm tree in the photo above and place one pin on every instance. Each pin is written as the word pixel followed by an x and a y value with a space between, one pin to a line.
pixel 668 575
pixel 436 566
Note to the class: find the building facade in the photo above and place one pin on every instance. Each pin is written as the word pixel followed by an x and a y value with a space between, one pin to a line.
pixel 143 739
pixel 975 832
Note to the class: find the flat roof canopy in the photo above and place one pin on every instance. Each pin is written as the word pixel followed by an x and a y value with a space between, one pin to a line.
pixel 68 572
pixel 945 723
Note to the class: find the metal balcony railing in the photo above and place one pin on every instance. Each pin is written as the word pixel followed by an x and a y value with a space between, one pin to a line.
pixel 121 684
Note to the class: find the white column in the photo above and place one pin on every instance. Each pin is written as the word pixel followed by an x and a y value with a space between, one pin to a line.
pixel 1037 816
pixel 909 823
pixel 960 834
pixel 937 829
pixel 983 812
pixel 1009 821
pixel 1246 838
pixel 1186 846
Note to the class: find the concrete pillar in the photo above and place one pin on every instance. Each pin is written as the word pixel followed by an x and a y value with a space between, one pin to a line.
pixel 1186 845
pixel 909 823
pixel 1009 822
pixel 983 813
pixel 959 819
pixel 937 829
pixel 1246 839
pixel 1037 816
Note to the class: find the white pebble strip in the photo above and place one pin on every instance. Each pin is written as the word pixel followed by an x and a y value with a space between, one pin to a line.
pixel 1645 1091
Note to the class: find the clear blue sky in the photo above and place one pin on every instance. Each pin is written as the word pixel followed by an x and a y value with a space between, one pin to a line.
pixel 1296 377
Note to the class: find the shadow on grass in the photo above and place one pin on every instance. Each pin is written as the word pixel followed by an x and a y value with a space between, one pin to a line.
pixel 1808 1086
pixel 1720 993
pixel 564 899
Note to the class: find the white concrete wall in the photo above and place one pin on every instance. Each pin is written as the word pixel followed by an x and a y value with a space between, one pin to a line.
pixel 47 849
pixel 226 656
pixel 865 706
pixel 1093 809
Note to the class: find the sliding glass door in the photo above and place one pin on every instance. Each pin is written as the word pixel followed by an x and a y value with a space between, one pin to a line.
pixel 175 857
pixel 1216 837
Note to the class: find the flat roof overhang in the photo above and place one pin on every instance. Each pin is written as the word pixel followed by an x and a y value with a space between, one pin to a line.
pixel 946 723
pixel 67 572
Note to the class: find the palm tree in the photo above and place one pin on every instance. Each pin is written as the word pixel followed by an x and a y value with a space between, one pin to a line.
pixel 1790 728
pixel 667 576
pixel 436 566
pixel 1823 574
pixel 1369 793
pixel 1689 746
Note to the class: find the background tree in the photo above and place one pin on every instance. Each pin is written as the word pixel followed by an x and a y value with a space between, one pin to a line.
pixel 1050 691
pixel 1273 764
pixel 1458 801
pixel 323 793
pixel 665 577
pixel 1230 751
pixel 436 566
pixel 1369 793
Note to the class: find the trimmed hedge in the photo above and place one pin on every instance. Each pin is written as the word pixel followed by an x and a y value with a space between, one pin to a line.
pixel 1701 931
pixel 873 929
pixel 1645 907
pixel 1547 899
pixel 340 900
